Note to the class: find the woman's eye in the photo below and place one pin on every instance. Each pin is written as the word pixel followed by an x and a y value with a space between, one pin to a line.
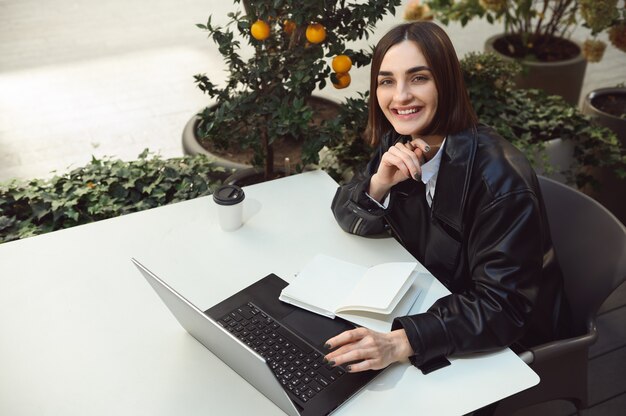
pixel 384 82
pixel 420 78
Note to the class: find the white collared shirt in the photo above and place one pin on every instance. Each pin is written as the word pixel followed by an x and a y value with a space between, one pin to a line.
pixel 430 171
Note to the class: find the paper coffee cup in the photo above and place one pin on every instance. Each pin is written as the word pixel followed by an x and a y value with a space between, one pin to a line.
pixel 229 201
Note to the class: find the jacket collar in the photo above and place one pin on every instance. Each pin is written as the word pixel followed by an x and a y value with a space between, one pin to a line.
pixel 453 178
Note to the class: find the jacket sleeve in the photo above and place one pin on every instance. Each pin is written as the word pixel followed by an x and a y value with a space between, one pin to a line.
pixel 355 212
pixel 505 253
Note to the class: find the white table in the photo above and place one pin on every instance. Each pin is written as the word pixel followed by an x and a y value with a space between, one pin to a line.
pixel 82 333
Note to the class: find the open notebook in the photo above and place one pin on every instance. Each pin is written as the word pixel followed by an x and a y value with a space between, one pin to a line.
pixel 366 296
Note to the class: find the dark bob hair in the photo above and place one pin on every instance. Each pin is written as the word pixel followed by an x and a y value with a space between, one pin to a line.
pixel 454 111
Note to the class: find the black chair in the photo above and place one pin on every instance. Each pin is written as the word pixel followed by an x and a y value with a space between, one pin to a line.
pixel 590 244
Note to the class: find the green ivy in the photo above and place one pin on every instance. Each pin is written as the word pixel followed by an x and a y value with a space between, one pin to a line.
pixel 104 188
pixel 528 118
pixel 347 149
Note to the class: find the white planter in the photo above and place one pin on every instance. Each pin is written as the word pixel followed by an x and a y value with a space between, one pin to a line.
pixel 617 124
pixel 560 158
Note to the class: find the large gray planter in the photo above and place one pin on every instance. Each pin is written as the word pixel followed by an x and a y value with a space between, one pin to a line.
pixel 192 147
pixel 612 193
pixel 564 78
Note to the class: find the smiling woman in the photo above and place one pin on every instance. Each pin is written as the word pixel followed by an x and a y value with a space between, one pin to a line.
pixel 415 73
pixel 462 200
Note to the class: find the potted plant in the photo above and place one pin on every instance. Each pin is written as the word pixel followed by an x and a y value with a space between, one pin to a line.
pixel 536 122
pixel 607 106
pixel 297 47
pixel 537 34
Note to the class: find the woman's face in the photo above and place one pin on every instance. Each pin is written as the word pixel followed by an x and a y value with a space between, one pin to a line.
pixel 406 89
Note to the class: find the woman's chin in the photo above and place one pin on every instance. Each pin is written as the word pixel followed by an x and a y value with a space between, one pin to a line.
pixel 406 131
pixel 407 128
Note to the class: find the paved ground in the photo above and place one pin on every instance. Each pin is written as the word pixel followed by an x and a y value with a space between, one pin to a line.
pixel 81 78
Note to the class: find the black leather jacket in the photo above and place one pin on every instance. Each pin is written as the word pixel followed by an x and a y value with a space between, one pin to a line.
pixel 486 239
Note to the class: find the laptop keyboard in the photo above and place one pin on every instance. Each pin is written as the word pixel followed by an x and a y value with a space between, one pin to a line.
pixel 297 366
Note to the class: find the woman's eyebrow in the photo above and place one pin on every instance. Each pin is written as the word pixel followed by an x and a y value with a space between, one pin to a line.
pixel 418 69
pixel 408 71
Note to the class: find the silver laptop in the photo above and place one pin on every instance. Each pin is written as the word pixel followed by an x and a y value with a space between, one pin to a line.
pixel 276 347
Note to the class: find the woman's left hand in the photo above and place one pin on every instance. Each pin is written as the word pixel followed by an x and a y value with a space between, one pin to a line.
pixel 367 349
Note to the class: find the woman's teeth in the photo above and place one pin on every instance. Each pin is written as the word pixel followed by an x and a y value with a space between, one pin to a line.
pixel 409 111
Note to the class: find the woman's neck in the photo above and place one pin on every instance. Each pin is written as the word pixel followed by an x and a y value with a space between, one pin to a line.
pixel 433 140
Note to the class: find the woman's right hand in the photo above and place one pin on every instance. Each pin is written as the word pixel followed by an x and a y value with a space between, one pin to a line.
pixel 401 162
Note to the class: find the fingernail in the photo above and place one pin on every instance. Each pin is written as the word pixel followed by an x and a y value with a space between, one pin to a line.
pixel 427 148
pixel 417 176
pixel 349 368
pixel 327 346
pixel 325 360
pixel 331 363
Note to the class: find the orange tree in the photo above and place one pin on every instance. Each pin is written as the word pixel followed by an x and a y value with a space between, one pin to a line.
pixel 265 96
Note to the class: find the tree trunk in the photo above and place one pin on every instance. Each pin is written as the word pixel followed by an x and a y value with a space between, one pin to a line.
pixel 247 7
pixel 268 151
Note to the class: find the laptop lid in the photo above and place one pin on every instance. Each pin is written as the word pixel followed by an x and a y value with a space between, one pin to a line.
pixel 228 348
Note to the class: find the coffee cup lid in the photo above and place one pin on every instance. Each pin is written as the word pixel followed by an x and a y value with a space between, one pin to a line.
pixel 228 195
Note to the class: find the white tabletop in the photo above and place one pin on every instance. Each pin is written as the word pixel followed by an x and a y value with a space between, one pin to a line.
pixel 83 333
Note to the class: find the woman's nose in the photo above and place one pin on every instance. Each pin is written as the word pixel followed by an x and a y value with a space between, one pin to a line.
pixel 402 93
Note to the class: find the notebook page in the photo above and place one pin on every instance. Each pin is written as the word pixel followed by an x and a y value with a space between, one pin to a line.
pixel 378 289
pixel 323 282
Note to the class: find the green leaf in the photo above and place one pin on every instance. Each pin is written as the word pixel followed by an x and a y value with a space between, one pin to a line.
pixel 40 209
pixel 116 190
pixel 6 223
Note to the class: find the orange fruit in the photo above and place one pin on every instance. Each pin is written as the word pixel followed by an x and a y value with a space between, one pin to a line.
pixel 341 64
pixel 260 30
pixel 289 26
pixel 315 33
pixel 342 80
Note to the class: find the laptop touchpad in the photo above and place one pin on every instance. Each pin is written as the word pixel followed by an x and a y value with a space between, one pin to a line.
pixel 315 328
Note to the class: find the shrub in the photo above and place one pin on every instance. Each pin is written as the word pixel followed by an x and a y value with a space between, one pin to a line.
pixel 104 188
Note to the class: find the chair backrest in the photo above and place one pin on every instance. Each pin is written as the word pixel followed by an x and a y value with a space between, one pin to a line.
pixel 590 244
